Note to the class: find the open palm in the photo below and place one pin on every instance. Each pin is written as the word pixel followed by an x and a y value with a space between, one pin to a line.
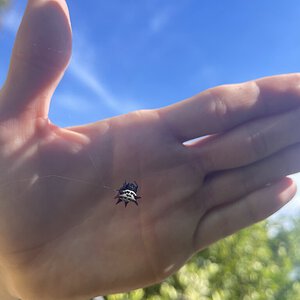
pixel 61 234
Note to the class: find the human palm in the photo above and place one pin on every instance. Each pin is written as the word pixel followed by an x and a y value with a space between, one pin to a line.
pixel 62 236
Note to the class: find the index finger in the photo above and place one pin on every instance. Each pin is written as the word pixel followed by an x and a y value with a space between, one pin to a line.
pixel 221 108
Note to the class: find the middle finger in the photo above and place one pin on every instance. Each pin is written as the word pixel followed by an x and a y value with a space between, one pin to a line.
pixel 249 143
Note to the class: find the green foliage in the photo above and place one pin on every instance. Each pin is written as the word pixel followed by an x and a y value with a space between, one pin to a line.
pixel 3 2
pixel 258 263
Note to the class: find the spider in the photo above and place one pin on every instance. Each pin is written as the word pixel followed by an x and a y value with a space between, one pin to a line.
pixel 128 193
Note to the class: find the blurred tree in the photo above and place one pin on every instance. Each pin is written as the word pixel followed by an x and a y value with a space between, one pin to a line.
pixel 2 2
pixel 259 263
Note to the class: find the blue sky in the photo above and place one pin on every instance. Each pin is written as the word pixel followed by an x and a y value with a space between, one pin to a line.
pixel 130 55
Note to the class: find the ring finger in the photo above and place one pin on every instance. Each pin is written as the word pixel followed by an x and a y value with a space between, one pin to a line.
pixel 228 186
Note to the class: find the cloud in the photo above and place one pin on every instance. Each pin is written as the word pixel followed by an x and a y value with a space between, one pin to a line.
pixel 208 75
pixel 160 20
pixel 86 77
pixel 73 103
pixel 80 68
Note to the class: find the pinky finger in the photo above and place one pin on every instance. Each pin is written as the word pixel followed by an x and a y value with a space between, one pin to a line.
pixel 226 220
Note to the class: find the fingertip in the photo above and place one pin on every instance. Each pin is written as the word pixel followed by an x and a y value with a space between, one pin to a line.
pixel 287 189
pixel 255 207
pixel 44 37
pixel 41 53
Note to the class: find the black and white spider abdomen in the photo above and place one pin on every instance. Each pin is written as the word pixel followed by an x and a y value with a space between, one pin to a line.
pixel 128 193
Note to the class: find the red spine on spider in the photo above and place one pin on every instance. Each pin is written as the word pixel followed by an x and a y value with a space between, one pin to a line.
pixel 128 193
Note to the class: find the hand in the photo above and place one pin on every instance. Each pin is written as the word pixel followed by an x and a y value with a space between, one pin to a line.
pixel 61 234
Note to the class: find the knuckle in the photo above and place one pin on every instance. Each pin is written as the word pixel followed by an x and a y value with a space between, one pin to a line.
pixel 209 196
pixel 247 181
pixel 286 163
pixel 219 106
pixel 226 100
pixel 258 144
pixel 220 110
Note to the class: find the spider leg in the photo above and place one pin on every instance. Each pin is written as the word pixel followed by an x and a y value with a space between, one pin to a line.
pixel 118 201
pixel 126 203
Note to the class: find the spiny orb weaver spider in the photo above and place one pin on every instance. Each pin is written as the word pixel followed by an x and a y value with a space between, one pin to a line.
pixel 128 193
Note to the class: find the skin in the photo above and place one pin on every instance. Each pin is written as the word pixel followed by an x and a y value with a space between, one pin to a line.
pixel 61 234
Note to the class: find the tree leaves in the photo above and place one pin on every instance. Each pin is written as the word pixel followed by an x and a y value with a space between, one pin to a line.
pixel 2 2
pixel 259 263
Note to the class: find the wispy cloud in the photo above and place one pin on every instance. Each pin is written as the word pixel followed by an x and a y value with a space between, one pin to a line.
pixel 208 75
pixel 86 77
pixel 73 103
pixel 160 20
pixel 163 15
pixel 80 69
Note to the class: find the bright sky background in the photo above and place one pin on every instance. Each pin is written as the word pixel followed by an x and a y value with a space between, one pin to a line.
pixel 130 55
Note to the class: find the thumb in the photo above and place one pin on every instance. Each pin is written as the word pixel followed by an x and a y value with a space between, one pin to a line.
pixel 40 55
